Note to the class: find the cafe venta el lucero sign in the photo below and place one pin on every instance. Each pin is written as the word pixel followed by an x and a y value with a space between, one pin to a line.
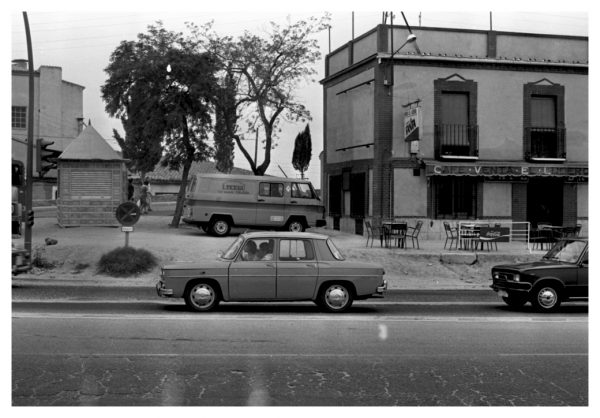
pixel 572 173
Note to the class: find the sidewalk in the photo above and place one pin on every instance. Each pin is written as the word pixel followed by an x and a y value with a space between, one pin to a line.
pixel 79 249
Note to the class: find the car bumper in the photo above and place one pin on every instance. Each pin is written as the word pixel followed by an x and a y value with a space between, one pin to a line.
pixel 380 290
pixel 162 291
pixel 520 287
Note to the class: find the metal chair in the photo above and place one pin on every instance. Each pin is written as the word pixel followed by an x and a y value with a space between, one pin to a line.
pixel 413 233
pixel 372 232
pixel 451 234
pixel 397 234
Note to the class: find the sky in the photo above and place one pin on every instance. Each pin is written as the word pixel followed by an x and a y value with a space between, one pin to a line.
pixel 80 41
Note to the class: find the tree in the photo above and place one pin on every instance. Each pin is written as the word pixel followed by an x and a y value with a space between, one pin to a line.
pixel 267 72
pixel 162 89
pixel 302 151
pixel 225 116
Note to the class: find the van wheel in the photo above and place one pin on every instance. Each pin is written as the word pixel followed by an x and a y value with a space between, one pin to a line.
pixel 295 225
pixel 220 227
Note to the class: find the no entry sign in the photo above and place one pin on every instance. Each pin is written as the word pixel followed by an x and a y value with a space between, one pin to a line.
pixel 128 213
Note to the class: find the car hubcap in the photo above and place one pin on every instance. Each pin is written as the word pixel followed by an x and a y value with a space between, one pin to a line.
pixel 202 296
pixel 336 297
pixel 221 227
pixel 547 297
pixel 296 227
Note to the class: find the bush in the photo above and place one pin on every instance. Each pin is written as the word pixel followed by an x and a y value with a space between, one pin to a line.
pixel 126 261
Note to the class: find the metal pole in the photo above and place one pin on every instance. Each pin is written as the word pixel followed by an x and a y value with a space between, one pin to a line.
pixel 256 149
pixel 29 172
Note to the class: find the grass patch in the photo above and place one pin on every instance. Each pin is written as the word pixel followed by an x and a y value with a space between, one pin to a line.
pixel 126 261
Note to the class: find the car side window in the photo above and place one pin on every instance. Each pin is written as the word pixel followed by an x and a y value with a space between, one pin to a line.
pixel 302 191
pixel 258 250
pixel 270 189
pixel 295 250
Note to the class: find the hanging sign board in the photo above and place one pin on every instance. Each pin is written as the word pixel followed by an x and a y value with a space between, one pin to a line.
pixel 412 124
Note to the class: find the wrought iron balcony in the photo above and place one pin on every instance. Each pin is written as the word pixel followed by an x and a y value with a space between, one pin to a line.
pixel 545 143
pixel 456 141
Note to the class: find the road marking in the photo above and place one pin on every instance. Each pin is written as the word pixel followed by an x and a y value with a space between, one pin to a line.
pixel 285 355
pixel 287 317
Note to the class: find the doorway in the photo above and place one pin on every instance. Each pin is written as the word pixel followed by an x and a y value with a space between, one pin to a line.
pixel 545 201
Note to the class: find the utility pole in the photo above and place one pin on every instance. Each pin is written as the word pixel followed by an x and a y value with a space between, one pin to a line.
pixel 29 171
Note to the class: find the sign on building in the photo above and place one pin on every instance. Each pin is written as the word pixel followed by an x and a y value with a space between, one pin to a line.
pixel 412 124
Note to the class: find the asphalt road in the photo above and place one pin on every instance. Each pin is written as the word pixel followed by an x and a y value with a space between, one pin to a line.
pixel 424 349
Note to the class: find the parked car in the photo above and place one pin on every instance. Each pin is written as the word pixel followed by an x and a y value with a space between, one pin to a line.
pixel 561 275
pixel 274 266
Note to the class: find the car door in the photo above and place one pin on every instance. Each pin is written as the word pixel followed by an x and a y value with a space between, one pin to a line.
pixel 270 204
pixel 582 276
pixel 252 277
pixel 297 269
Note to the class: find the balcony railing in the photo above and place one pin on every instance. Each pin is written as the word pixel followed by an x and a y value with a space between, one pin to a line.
pixel 456 141
pixel 545 143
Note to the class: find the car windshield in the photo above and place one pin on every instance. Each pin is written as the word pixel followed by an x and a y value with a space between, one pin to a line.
pixel 233 249
pixel 336 253
pixel 567 251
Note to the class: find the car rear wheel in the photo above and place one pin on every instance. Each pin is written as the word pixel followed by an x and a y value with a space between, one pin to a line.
pixel 201 296
pixel 546 298
pixel 220 227
pixel 514 300
pixel 295 225
pixel 336 297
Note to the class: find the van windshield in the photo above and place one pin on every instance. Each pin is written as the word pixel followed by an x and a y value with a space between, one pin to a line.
pixel 233 249
pixel 191 185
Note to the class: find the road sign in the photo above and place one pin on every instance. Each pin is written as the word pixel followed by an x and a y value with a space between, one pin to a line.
pixel 128 213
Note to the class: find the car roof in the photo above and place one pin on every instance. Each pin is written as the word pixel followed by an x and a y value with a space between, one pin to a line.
pixel 283 234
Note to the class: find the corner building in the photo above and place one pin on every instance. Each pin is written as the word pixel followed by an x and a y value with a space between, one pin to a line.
pixel 482 125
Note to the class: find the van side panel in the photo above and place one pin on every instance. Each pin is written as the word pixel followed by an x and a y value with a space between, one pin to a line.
pixel 250 201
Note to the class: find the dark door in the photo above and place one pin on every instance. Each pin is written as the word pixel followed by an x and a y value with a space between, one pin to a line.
pixel 545 201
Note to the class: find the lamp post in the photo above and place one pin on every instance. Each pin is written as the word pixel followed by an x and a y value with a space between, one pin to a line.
pixel 29 171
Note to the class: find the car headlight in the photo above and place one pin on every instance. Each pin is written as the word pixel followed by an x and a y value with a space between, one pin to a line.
pixel 516 278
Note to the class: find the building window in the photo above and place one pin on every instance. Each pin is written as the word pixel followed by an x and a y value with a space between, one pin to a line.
pixel 335 195
pixel 455 197
pixel 456 130
pixel 543 121
pixel 19 117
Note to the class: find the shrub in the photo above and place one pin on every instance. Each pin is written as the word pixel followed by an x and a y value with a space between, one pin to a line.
pixel 126 261
pixel 39 259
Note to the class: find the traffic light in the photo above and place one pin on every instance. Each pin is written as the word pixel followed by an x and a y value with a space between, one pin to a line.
pixel 30 218
pixel 45 157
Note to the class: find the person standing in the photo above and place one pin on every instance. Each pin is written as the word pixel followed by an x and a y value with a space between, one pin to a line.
pixel 150 195
pixel 130 190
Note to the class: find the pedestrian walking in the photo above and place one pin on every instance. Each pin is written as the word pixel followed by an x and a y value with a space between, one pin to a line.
pixel 144 198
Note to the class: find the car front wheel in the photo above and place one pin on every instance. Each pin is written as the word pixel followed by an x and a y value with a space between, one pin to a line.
pixel 201 297
pixel 546 298
pixel 336 297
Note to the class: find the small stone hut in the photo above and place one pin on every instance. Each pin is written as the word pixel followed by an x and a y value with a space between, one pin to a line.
pixel 92 182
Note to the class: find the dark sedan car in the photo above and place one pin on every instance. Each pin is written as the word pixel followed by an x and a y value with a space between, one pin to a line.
pixel 274 266
pixel 561 275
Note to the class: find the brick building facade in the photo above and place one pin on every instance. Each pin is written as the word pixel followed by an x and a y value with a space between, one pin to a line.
pixel 496 122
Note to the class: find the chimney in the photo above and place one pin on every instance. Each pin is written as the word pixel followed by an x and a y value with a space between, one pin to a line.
pixel 19 64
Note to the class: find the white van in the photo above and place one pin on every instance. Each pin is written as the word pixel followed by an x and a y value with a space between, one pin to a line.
pixel 216 202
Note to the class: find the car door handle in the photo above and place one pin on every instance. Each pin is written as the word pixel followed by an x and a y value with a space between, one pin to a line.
pixel 260 200
pixel 311 265
pixel 270 265
pixel 293 201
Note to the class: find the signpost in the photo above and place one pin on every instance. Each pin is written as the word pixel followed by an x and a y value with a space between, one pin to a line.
pixel 127 214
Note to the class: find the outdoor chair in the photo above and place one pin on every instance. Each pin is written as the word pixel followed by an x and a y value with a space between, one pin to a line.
pixel 374 232
pixel 413 233
pixel 451 235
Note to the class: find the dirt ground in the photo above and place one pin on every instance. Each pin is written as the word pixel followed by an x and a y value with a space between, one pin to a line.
pixel 78 249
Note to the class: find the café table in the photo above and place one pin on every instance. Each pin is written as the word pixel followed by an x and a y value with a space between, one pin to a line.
pixel 395 230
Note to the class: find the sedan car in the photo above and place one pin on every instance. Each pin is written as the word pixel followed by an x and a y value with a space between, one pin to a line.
pixel 561 275
pixel 274 266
